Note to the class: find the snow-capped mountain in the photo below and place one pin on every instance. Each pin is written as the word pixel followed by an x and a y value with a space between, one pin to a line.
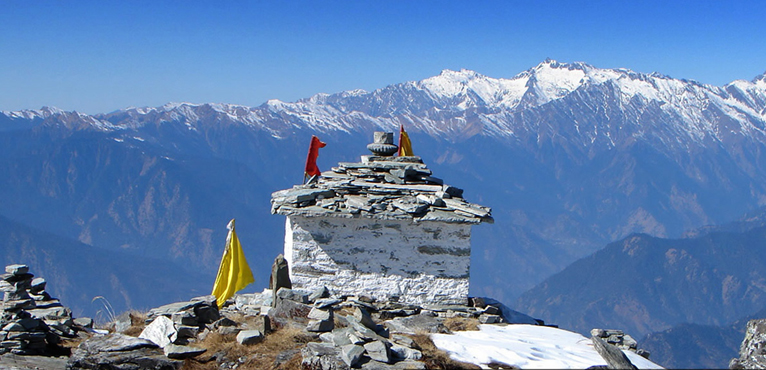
pixel 569 156
pixel 456 105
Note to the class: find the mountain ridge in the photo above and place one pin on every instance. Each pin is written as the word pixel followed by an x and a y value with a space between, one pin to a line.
pixel 465 91
pixel 569 169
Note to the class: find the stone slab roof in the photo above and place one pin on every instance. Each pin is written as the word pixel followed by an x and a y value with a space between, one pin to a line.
pixel 389 188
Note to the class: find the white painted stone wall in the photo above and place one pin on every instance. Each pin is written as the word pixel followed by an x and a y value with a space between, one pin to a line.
pixel 425 262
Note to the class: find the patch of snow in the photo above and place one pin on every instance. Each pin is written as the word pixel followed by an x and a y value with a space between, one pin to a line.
pixel 527 347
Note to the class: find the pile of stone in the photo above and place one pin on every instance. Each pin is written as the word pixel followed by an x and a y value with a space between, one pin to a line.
pixel 32 321
pixel 752 351
pixel 356 331
pixel 166 340
pixel 348 331
pixel 619 339
pixel 382 187
pixel 174 326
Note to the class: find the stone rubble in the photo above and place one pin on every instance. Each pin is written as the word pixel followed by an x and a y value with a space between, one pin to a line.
pixel 752 351
pixel 32 322
pixel 620 340
pixel 380 187
pixel 346 331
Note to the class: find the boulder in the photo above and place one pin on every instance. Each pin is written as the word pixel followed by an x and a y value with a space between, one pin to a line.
pixel 320 326
pixel 378 351
pixel 287 310
pixel 321 314
pixel 85 322
pixel 206 313
pixel 123 322
pixel 351 354
pixel 401 352
pixel 293 295
pixel 159 331
pixel 249 337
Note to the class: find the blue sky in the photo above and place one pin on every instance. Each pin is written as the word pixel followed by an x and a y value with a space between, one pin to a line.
pixel 100 56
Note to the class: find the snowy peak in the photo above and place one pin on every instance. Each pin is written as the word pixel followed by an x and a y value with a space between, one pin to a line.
pixel 551 80
pixel 474 89
pixel 55 117
pixel 760 80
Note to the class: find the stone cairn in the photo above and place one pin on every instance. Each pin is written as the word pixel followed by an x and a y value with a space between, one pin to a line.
pixel 32 322
pixel 381 187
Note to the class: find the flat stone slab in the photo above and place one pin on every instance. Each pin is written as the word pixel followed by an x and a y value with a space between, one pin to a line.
pixel 177 352
pixel 172 308
pixel 115 343
pixel 16 362
pixel 120 352
pixel 17 269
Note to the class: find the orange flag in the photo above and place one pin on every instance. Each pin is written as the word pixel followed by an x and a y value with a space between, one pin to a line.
pixel 311 159
pixel 405 146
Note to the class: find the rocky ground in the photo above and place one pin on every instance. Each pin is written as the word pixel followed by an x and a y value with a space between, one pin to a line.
pixel 288 329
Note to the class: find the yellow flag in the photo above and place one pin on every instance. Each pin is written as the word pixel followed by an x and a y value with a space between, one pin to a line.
pixel 405 146
pixel 234 273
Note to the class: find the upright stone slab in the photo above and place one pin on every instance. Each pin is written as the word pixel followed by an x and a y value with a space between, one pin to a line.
pixel 384 227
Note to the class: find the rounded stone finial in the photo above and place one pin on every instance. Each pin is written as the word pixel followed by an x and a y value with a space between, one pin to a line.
pixel 383 144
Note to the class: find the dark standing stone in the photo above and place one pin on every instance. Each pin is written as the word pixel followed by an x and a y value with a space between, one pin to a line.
pixel 364 317
pixel 280 277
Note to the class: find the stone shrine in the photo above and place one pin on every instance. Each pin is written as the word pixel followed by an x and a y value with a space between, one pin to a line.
pixel 384 227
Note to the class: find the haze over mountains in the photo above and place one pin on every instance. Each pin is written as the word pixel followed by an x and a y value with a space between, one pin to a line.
pixel 569 156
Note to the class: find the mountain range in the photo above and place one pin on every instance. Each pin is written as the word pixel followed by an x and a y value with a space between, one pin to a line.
pixel 569 156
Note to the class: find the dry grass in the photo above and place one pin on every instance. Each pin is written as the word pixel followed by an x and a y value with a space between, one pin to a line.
pixel 461 324
pixel 137 323
pixel 258 356
pixel 437 359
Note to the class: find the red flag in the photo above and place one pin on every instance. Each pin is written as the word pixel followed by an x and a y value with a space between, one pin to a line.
pixel 311 159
